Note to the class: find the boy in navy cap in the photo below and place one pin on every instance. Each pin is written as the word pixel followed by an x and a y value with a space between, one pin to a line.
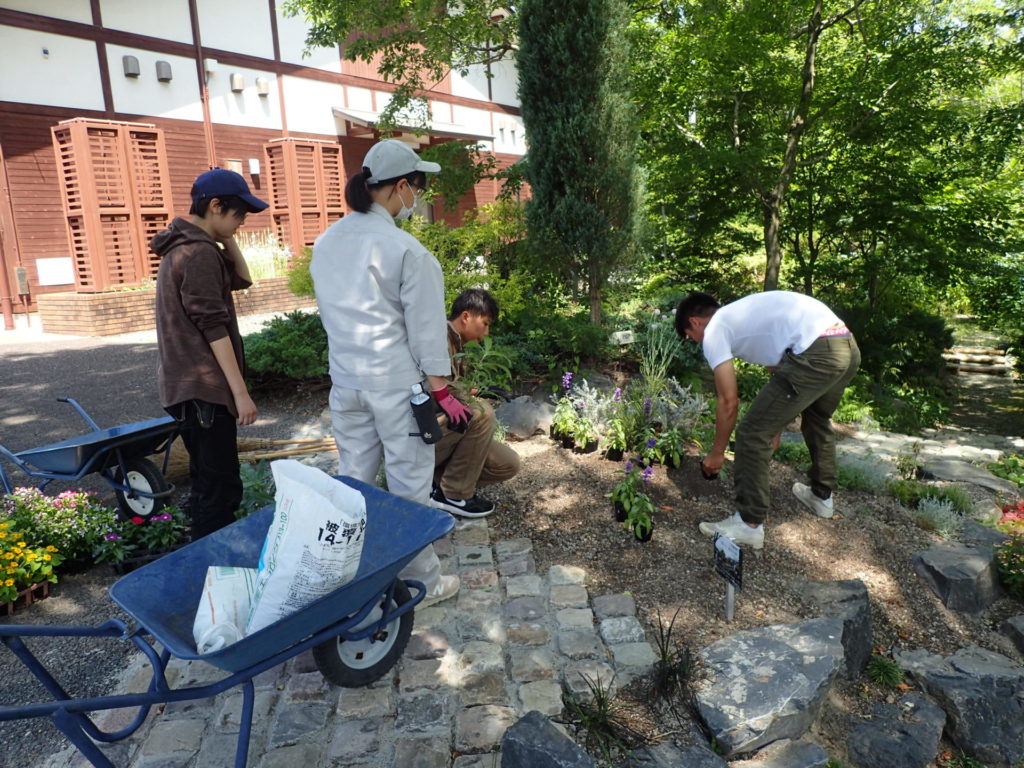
pixel 200 373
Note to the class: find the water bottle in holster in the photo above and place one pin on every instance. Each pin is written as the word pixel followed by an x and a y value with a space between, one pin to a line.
pixel 425 416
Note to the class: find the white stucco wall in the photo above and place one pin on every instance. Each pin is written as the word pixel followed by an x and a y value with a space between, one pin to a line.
pixel 509 136
pixel 67 75
pixel 472 85
pixel 248 107
pixel 71 10
pixel 309 104
pixel 240 26
pixel 504 83
pixel 291 36
pixel 359 98
pixel 145 95
pixel 166 19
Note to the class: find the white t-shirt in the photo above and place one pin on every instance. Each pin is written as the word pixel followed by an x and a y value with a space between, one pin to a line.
pixel 381 300
pixel 760 327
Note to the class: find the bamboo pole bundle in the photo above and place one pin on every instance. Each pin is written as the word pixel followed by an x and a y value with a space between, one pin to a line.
pixel 250 450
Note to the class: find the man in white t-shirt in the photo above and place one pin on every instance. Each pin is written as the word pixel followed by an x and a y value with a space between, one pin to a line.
pixel 813 357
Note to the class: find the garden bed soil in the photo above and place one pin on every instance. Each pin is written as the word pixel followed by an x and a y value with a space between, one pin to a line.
pixel 559 502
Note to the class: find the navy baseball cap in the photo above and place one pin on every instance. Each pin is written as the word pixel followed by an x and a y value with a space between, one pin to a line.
pixel 221 181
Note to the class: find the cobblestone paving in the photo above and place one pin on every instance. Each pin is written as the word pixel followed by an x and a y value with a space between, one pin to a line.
pixel 502 647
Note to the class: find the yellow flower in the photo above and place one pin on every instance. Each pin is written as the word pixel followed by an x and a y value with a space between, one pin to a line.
pixel 51 548
pixel 30 557
pixel 22 544
pixel 9 583
pixel 3 534
pixel 47 557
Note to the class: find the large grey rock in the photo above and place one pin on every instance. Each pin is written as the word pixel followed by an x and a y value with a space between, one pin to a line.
pixel 961 471
pixel 1013 628
pixel 983 695
pixel 768 684
pixel 963 577
pixel 786 754
pixel 981 536
pixel 846 600
pixel 670 756
pixel 901 735
pixel 524 416
pixel 534 741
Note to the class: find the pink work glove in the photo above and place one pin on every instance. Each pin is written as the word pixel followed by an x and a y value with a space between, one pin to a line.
pixel 458 414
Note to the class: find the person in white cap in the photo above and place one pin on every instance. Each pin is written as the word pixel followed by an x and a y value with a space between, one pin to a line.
pixel 381 300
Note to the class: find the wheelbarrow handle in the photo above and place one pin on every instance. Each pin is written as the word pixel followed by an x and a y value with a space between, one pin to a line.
pixel 81 412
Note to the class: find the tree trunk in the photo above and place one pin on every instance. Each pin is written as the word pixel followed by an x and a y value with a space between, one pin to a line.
pixel 595 291
pixel 775 198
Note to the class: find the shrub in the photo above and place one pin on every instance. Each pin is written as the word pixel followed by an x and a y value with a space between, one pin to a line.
pixel 957 497
pixel 906 492
pixel 257 488
pixel 290 346
pixel 300 282
pixel 856 479
pixel 1010 565
pixel 938 515
pixel 73 522
pixel 795 453
pixel 1010 467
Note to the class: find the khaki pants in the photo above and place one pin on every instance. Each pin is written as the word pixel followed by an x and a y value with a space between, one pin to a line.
pixel 808 385
pixel 465 460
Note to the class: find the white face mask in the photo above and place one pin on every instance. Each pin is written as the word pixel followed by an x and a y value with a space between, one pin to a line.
pixel 406 210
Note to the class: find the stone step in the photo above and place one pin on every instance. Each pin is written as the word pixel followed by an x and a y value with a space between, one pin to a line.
pixel 991 370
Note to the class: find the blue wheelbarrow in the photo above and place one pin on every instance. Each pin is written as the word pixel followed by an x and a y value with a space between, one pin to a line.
pixel 357 633
pixel 117 454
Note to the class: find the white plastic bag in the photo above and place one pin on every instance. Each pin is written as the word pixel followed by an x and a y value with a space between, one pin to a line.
pixel 313 545
pixel 223 608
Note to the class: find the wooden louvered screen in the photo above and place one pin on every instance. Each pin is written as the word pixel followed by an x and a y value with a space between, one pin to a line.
pixel 116 197
pixel 307 189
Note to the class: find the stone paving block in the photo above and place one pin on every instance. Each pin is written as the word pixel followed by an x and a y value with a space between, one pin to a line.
pixel 304 662
pixel 483 688
pixel 427 644
pixel 599 673
pixel 353 739
pixel 479 729
pixel 507 549
pixel 475 600
pixel 483 625
pixel 527 633
pixel 217 751
pixel 568 596
pixel 445 547
pixel 472 533
pixel 621 629
pixel 566 574
pixel 528 608
pixel 477 656
pixel 425 674
pixel 470 557
pixel 479 578
pixel 633 655
pixel 517 566
pixel 488 760
pixel 268 678
pixel 359 703
pixel 580 645
pixel 293 724
pixel 571 619
pixel 607 606
pixel 421 753
pixel 306 686
pixel 544 696
pixel 531 664
pixel 291 756
pixel 174 740
pixel 229 717
pixel 525 585
pixel 422 713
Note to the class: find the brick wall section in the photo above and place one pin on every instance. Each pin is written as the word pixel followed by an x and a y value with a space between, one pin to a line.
pixel 106 314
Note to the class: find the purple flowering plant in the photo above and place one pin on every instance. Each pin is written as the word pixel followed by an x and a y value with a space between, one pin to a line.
pixel 140 536
pixel 73 521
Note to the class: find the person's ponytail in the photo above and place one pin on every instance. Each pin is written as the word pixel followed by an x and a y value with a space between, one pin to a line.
pixel 357 192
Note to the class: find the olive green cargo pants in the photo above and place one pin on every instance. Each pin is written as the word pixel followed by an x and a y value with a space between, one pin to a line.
pixel 808 385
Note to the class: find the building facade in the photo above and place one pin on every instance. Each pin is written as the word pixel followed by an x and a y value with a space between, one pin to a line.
pixel 110 108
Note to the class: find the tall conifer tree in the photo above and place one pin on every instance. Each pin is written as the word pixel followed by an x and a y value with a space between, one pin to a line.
pixel 573 79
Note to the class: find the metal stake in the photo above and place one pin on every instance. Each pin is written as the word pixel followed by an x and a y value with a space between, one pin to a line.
pixel 730 601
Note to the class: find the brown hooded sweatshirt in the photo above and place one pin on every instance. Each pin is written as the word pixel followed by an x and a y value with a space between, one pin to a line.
pixel 193 308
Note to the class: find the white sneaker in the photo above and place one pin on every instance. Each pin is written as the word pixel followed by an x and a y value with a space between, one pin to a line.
pixel 447 586
pixel 737 530
pixel 820 507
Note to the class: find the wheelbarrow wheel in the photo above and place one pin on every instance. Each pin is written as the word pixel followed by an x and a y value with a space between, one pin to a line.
pixel 141 475
pixel 355 663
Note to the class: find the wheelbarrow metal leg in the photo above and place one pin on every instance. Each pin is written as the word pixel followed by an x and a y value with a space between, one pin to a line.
pixel 245 724
pixel 70 725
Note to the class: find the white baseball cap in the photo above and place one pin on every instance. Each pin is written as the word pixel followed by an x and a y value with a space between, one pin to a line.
pixel 391 159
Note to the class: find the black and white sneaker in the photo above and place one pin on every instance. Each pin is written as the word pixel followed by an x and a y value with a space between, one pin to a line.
pixel 474 507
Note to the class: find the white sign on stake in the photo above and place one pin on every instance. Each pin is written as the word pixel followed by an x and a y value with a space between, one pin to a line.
pixel 729 565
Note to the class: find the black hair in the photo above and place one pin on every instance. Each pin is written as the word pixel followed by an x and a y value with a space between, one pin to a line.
pixel 476 301
pixel 357 191
pixel 229 202
pixel 696 304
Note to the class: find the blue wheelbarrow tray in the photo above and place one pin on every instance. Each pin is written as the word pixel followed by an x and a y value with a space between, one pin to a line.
pixel 94 451
pixel 163 596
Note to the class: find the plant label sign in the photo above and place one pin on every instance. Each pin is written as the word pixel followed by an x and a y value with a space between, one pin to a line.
pixel 729 560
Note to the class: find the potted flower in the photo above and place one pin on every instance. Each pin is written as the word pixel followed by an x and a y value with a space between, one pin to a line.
pixel 615 440
pixel 670 447
pixel 625 491
pixel 563 421
pixel 640 517
pixel 26 571
pixel 135 542
pixel 648 448
pixel 585 435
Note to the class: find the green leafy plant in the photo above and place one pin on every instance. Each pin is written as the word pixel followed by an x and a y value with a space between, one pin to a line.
pixel 859 479
pixel 73 521
pixel 637 505
pixel 615 435
pixel 290 346
pixel 584 432
pixel 670 447
pixel 257 488
pixel 884 671
pixel 1009 559
pixel 908 462
pixel 963 760
pixel 140 536
pixel 563 421
pixel 1009 467
pixel 626 489
pixel 674 669
pixel 487 365
pixel 796 453
pixel 939 516
pixel 659 346
pixel 23 565
pixel 599 716
pixel 1012 519
pixel 906 492
pixel 300 282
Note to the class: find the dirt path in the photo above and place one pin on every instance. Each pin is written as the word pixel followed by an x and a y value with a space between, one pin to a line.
pixel 985 404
